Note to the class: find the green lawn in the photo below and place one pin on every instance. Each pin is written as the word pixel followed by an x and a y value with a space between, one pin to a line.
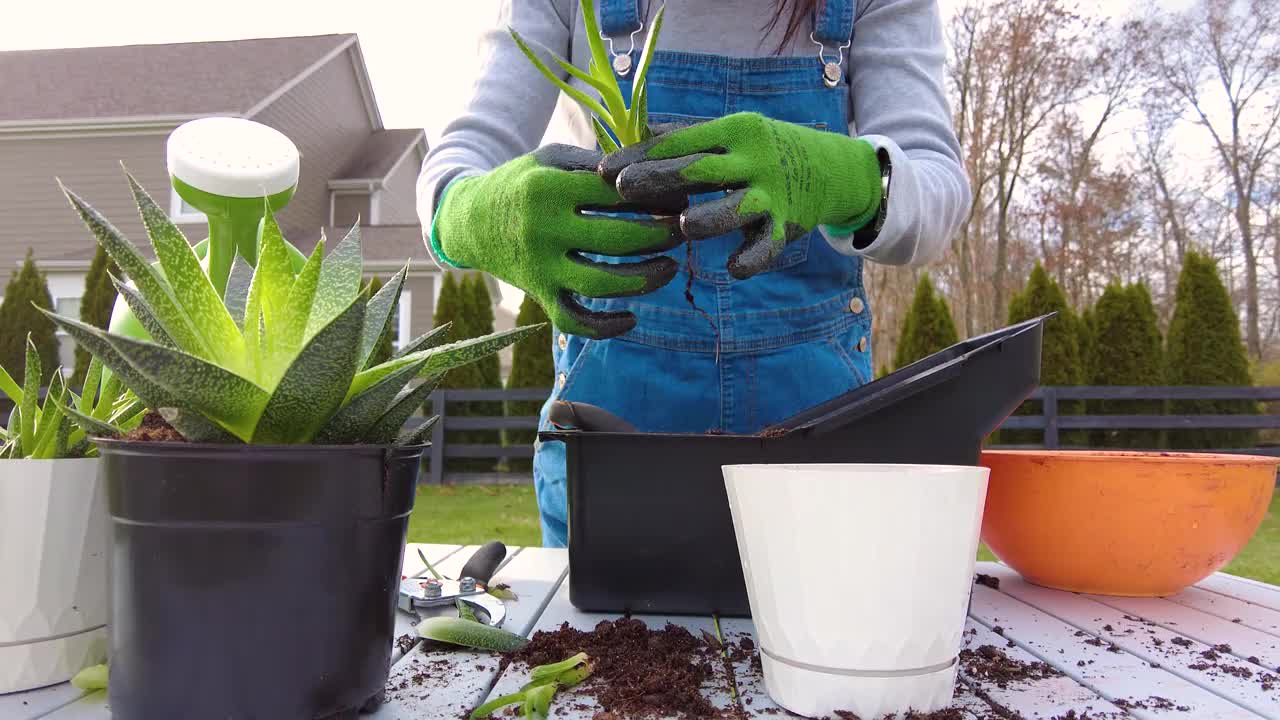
pixel 476 515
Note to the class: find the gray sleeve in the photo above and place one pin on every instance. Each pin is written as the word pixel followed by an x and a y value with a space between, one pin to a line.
pixel 510 104
pixel 899 104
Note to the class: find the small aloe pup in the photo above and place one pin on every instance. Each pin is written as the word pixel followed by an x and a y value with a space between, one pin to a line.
pixel 284 358
pixel 57 427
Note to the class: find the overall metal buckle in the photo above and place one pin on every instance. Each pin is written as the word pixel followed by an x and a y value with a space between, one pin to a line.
pixel 830 68
pixel 622 63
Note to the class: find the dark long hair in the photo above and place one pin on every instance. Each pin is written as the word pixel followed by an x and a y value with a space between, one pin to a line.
pixel 795 13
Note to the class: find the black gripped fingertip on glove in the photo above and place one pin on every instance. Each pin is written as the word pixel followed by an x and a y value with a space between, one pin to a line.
pixel 604 325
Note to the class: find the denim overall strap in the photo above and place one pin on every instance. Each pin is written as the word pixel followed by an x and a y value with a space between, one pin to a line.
pixel 832 23
pixel 619 18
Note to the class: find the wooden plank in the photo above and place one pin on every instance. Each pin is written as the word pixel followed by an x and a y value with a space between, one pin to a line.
pixel 35 703
pixel 570 705
pixel 1247 644
pixel 1123 659
pixel 90 707
pixel 1229 608
pixel 439 682
pixel 1250 591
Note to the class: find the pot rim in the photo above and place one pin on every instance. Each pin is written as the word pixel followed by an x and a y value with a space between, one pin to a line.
pixel 1161 457
pixel 844 467
pixel 117 446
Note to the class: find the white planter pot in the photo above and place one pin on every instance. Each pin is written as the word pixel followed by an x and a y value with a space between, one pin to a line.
pixel 53 571
pixel 859 579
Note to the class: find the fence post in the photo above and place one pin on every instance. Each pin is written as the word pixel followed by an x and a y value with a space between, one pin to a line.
pixel 438 403
pixel 1050 411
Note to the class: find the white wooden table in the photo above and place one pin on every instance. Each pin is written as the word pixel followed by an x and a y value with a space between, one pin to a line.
pixel 1118 656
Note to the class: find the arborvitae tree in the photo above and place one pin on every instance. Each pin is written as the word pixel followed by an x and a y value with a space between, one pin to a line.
pixel 18 316
pixel 1086 337
pixel 383 351
pixel 1127 351
pixel 451 308
pixel 1060 362
pixel 928 327
pixel 480 307
pixel 1204 348
pixel 95 305
pixel 532 366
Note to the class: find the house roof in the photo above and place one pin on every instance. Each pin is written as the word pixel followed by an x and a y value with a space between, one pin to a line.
pixel 166 80
pixel 380 154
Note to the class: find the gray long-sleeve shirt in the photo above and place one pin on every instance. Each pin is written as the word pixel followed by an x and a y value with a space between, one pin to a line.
pixel 896 99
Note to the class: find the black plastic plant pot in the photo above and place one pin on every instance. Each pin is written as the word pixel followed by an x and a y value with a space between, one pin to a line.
pixel 649 524
pixel 253 582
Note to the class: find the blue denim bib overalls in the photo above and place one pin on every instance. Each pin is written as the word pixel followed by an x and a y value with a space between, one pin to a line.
pixel 789 338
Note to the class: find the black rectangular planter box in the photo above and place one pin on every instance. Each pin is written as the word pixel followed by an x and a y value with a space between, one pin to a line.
pixel 649 523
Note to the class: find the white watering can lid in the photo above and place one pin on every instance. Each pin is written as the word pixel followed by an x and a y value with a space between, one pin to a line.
pixel 233 157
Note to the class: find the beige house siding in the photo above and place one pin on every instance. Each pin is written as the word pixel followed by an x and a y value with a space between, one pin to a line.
pixel 325 116
pixel 33 212
pixel 397 206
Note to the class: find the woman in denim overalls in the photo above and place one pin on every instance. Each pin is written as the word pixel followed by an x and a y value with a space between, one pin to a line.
pixel 755 350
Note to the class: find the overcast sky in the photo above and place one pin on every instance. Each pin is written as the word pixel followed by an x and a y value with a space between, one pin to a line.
pixel 417 51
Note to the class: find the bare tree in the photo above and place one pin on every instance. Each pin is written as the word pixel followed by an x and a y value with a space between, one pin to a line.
pixel 1222 59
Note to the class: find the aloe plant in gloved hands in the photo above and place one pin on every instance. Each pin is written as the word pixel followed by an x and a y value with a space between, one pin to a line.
pixel 528 222
pixel 783 180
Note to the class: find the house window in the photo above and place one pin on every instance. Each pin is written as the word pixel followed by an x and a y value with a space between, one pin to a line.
pixel 350 208
pixel 67 307
pixel 181 212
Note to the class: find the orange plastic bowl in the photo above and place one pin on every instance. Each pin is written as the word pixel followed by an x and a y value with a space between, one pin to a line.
pixel 1122 523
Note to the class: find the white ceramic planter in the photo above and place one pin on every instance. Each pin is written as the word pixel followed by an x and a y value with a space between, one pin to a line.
pixel 53 571
pixel 859 579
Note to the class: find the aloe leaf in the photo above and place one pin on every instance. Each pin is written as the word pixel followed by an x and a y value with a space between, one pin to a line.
pixel 607 144
pixel 14 430
pixel 30 394
pixel 91 678
pixel 431 338
pixel 89 390
pixel 10 387
pixel 391 424
pixel 448 357
pixel 573 92
pixel 646 57
pixel 353 421
pixel 273 277
pixel 90 425
pixel 150 283
pixel 378 313
pixel 464 611
pixel 537 701
pixel 604 83
pixel 290 333
pixel 195 427
pixel 49 419
pixel 108 395
pixel 594 40
pixel 145 314
pixel 640 114
pixel 238 289
pixel 418 436
pixel 315 384
pixel 456 631
pixel 488 708
pixel 339 281
pixel 543 673
pixel 191 286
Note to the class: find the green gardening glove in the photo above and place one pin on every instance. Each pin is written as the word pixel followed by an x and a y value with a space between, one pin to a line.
pixel 524 222
pixel 784 180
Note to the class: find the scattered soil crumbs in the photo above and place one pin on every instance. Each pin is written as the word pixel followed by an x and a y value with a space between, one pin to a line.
pixel 1181 642
pixel 773 433
pixel 991 582
pixel 637 671
pixel 153 428
pixel 990 664
pixel 405 643
pixel 1152 703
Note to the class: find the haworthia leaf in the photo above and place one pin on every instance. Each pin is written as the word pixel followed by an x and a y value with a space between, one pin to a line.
pixel 238 288
pixel 90 425
pixel 448 357
pixel 431 338
pixel 30 395
pixel 339 281
pixel 289 334
pixel 316 382
pixel 10 387
pixel 352 422
pixel 413 437
pixel 199 385
pixel 191 286
pixel 390 425
pixel 89 390
pixel 145 314
pixel 150 283
pixel 378 314
pixel 607 144
pixel 273 278
pixel 94 341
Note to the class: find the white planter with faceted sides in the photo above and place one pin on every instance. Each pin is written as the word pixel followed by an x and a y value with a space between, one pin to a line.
pixel 53 571
pixel 859 579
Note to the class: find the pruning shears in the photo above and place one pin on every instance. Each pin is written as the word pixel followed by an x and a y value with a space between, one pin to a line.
pixel 432 596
